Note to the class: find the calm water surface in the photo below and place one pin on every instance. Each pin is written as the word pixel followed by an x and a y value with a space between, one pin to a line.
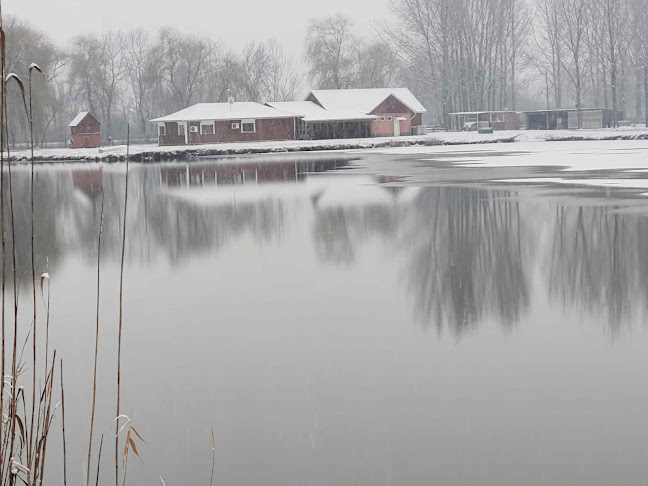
pixel 350 319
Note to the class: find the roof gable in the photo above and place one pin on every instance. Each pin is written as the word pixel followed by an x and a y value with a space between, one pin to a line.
pixel 364 100
pixel 80 117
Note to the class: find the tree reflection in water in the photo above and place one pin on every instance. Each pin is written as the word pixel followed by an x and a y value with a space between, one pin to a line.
pixel 467 255
pixel 466 260
pixel 598 263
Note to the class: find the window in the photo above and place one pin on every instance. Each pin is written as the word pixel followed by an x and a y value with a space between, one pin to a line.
pixel 389 118
pixel 382 118
pixel 161 130
pixel 182 129
pixel 206 128
pixel 248 126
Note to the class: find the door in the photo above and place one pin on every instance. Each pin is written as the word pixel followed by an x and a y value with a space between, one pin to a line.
pixel 396 127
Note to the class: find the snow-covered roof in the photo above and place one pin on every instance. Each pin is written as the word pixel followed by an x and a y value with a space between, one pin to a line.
pixel 481 112
pixel 311 112
pixel 224 111
pixel 556 110
pixel 78 119
pixel 365 100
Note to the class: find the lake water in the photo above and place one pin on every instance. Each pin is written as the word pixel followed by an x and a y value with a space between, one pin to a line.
pixel 353 318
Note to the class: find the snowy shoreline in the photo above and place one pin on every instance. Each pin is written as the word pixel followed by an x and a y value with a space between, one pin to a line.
pixel 155 153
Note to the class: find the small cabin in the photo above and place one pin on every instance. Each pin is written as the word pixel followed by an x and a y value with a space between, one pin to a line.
pixel 85 131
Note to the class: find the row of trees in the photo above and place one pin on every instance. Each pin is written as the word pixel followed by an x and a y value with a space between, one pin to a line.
pixel 131 77
pixel 596 48
pixel 487 54
pixel 137 75
pixel 456 55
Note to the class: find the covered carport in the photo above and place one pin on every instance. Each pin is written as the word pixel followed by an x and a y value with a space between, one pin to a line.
pixel 316 123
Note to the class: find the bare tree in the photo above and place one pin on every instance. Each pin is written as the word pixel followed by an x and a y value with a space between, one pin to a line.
pixel 376 65
pixel 186 63
pixel 614 14
pixel 142 75
pixel 329 51
pixel 110 69
pixel 84 54
pixel 639 45
pixel 546 49
pixel 255 70
pixel 574 19
pixel 283 81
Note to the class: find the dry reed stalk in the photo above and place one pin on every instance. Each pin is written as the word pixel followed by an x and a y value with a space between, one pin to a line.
pixel 99 459
pixel 48 417
pixel 47 318
pixel 121 308
pixel 211 482
pixel 14 369
pixel 33 443
pixel 96 353
pixel 3 56
pixel 129 443
pixel 30 451
pixel 63 422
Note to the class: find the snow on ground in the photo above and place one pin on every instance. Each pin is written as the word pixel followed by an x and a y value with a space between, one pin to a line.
pixel 630 155
pixel 620 164
pixel 408 144
pixel 622 183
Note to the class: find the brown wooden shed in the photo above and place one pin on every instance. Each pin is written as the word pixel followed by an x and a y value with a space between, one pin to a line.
pixel 85 130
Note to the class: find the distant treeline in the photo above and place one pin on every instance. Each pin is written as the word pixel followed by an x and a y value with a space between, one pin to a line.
pixel 455 55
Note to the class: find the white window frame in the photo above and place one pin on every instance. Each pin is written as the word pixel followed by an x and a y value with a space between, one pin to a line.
pixel 161 129
pixel 389 118
pixel 247 122
pixel 207 124
pixel 180 133
pixel 382 118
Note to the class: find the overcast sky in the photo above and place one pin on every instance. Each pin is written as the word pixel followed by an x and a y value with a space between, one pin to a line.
pixel 233 21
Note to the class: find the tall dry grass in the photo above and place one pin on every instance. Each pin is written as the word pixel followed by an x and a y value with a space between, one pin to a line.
pixel 28 413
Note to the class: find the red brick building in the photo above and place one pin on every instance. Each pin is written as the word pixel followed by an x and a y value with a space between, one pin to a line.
pixel 397 110
pixel 85 131
pixel 325 114
pixel 225 122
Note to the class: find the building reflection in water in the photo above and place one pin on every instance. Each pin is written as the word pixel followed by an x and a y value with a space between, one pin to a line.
pixel 239 173
pixel 465 255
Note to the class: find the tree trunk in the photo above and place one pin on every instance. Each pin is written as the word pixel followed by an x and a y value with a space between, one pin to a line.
pixel 606 103
pixel 615 102
pixel 646 94
pixel 579 103
pixel 638 100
